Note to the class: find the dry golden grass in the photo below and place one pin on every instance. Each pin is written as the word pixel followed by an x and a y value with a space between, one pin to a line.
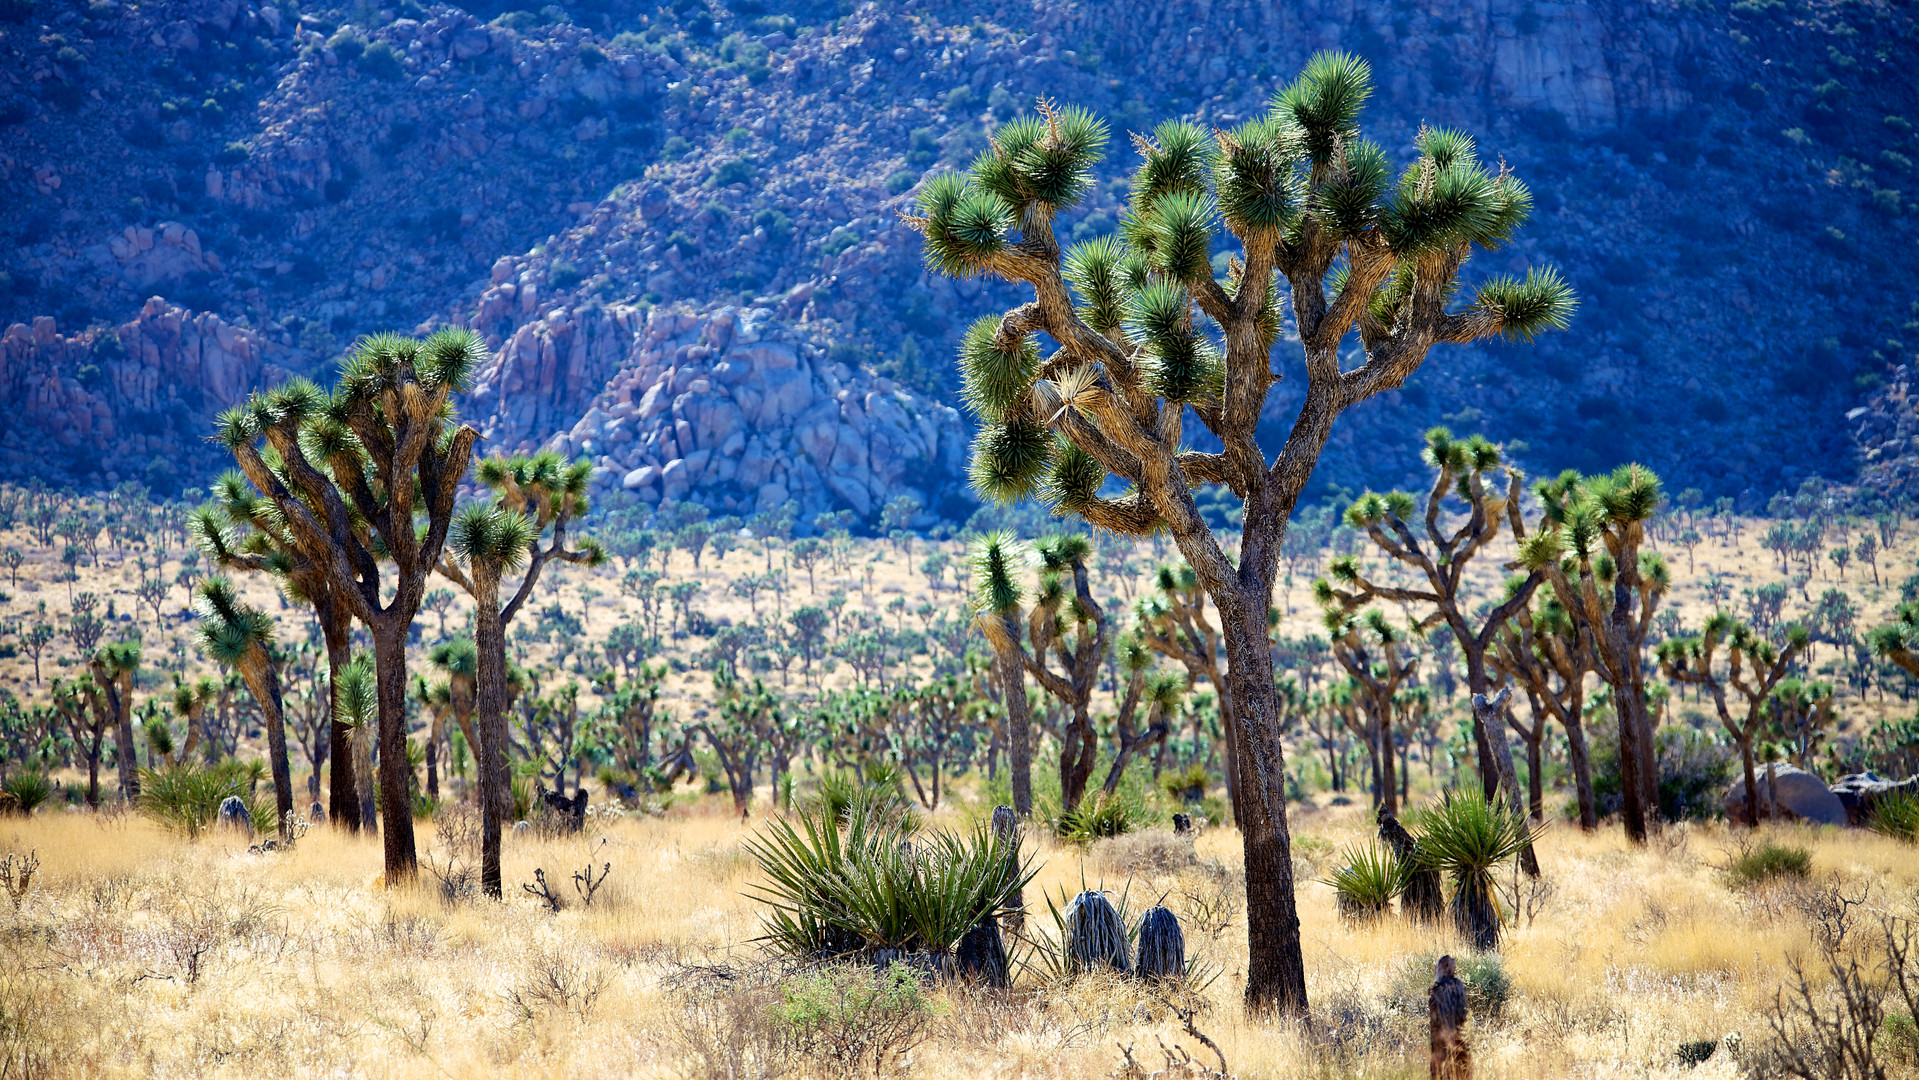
pixel 141 954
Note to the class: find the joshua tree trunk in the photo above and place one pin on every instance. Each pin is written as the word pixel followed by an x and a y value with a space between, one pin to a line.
pixel 489 723
pixel 389 672
pixel 263 680
pixel 119 692
pixel 1019 731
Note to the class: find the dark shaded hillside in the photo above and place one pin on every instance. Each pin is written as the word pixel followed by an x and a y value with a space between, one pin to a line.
pixel 1723 184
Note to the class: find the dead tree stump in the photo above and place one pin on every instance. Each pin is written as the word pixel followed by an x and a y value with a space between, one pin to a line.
pixel 1006 830
pixel 1095 937
pixel 1452 1059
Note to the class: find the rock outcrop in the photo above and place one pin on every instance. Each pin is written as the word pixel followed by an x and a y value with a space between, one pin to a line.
pixel 731 408
pixel 108 401
pixel 1860 793
pixel 1802 797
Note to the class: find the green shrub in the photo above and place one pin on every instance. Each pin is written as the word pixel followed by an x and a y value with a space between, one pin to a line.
pixel 29 789
pixel 1100 815
pixel 187 797
pixel 1898 816
pixel 1186 785
pixel 381 61
pixel 347 45
pixel 1767 860
pixel 1368 881
pixel 1488 987
pixel 833 245
pixel 861 881
pixel 851 1021
pixel 901 182
pixel 737 171
pixel 563 275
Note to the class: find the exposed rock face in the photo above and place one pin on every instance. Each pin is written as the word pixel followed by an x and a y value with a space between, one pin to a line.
pixel 1802 797
pixel 730 408
pixel 110 400
pixel 1885 437
pixel 1860 793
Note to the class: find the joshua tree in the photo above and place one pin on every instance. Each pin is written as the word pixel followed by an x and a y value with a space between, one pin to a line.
pixel 1160 691
pixel 1079 647
pixel 34 640
pixel 112 667
pixel 190 701
pixel 1545 654
pixel 460 660
pixel 239 636
pixel 1172 621
pixel 439 602
pixel 1754 668
pixel 366 477
pixel 998 601
pixel 1306 197
pixel 1469 470
pixel 244 530
pixel 1370 649
pixel 1611 590
pixel 807 553
pixel 535 498
pixel 13 558
pixel 88 716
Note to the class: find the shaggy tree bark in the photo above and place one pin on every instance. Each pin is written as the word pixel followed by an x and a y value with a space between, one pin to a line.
pixel 1147 335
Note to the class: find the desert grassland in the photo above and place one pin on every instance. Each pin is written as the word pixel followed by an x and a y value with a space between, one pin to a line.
pixel 140 953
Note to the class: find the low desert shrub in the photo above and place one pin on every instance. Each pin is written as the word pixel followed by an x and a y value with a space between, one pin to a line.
pixel 852 1021
pixel 1488 987
pixel 1101 816
pixel 1765 861
pixel 29 789
pixel 1147 853
pixel 187 796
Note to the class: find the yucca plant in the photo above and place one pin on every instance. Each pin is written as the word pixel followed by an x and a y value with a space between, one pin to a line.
pixel 187 797
pixel 862 882
pixel 1102 816
pixel 1148 335
pixel 1370 876
pixel 1466 837
pixel 29 789
pixel 1895 815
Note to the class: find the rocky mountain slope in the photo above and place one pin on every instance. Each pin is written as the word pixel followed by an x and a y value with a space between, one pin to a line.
pixel 678 224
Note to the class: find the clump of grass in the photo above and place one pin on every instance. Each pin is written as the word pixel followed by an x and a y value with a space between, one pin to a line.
pixel 1488 986
pixel 1368 881
pixel 1766 861
pixel 1897 816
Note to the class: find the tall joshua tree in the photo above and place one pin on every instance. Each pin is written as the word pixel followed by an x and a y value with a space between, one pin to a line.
pixel 244 530
pixel 998 601
pixel 460 659
pixel 1611 589
pixel 1754 668
pixel 535 498
pixel 112 667
pixel 1147 333
pixel 1371 651
pixel 365 479
pixel 1545 653
pixel 1068 624
pixel 235 634
pixel 1470 471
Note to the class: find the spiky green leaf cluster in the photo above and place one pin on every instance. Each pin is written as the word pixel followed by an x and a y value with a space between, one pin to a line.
pixel 1096 270
pixel 1254 177
pixel 1010 458
pixel 965 224
pixel 1528 307
pixel 1325 101
pixel 1074 480
pixel 994 382
pixel 996 559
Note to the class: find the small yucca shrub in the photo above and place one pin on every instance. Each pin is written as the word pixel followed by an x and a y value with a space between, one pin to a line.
pixel 861 881
pixel 187 797
pixel 1368 881
pixel 1897 816
pixel 1465 837
pixel 29 789
pixel 1102 816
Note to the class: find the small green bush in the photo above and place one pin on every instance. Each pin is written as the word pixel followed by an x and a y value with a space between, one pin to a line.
pixel 1488 987
pixel 1101 815
pixel 851 1021
pixel 563 275
pixel 346 44
pixel 381 61
pixel 187 797
pixel 1766 861
pixel 737 171
pixel 901 182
